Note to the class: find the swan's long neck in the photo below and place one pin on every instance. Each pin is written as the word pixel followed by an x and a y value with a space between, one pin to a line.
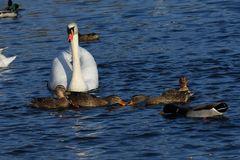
pixel 77 83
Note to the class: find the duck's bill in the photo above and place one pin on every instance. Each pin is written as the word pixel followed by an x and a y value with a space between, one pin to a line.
pixel 122 103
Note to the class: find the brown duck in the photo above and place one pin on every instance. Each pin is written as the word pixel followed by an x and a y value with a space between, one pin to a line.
pixel 88 37
pixel 87 100
pixel 49 103
pixel 180 95
pixel 74 100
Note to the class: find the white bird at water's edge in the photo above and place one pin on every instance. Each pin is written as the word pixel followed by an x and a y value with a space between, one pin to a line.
pixel 76 69
pixel 5 61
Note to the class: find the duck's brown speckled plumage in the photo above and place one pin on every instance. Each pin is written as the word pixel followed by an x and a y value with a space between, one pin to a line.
pixel 88 37
pixel 74 100
pixel 47 102
pixel 181 95
pixel 50 103
pixel 88 100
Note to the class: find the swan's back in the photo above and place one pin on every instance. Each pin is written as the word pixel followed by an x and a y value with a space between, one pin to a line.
pixel 89 69
pixel 61 72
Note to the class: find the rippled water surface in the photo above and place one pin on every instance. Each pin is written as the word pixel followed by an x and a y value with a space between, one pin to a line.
pixel 145 46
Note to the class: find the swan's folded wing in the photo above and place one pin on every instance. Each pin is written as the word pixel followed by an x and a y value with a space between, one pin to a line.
pixel 89 69
pixel 61 71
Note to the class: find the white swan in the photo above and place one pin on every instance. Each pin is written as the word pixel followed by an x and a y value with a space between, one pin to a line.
pixel 5 61
pixel 76 69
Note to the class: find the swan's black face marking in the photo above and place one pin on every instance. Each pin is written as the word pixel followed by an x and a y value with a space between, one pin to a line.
pixel 70 30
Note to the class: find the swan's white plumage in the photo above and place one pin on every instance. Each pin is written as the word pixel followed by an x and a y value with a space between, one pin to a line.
pixel 5 61
pixel 75 69
pixel 61 73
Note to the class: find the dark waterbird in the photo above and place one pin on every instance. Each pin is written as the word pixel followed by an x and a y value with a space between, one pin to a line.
pixel 199 111
pixel 180 95
pixel 74 100
pixel 60 101
pixel 11 11
pixel 88 100
pixel 88 37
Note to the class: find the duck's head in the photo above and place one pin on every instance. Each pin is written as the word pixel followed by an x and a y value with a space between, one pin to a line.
pixel 60 91
pixel 72 30
pixel 115 99
pixel 183 82
pixel 135 100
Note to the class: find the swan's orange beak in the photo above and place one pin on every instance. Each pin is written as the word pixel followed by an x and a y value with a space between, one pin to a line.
pixel 70 36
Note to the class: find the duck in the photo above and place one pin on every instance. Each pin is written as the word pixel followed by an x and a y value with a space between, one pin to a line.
pixel 88 100
pixel 11 11
pixel 75 69
pixel 200 111
pixel 60 101
pixel 65 99
pixel 5 61
pixel 88 37
pixel 181 95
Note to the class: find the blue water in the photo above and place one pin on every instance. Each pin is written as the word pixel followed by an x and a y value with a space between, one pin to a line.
pixel 144 47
